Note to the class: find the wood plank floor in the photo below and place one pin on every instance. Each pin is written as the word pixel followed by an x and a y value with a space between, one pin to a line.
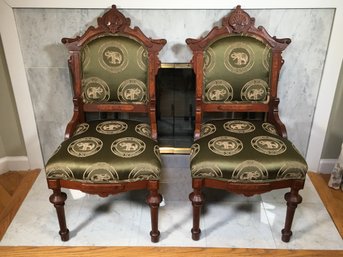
pixel 14 186
pixel 332 198
pixel 158 251
pixel 319 181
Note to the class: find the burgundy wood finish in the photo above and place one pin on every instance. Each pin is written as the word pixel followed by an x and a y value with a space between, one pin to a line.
pixel 58 199
pixel 154 199
pixel 197 198
pixel 293 199
pixel 239 22
pixel 78 117
pixel 112 22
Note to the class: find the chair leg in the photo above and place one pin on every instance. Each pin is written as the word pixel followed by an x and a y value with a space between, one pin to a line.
pixel 57 199
pixel 197 199
pixel 154 199
pixel 293 199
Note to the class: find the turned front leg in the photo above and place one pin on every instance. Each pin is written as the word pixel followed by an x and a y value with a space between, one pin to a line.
pixel 154 199
pixel 293 199
pixel 58 199
pixel 197 199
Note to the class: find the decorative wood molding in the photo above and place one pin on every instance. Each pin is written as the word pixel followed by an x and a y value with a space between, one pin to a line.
pixel 326 165
pixel 14 163
pixel 113 22
pixel 250 189
pixel 78 117
pixel 273 115
pixel 238 22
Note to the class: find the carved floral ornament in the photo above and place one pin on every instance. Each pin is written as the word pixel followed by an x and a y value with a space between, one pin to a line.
pixel 114 20
pixel 238 20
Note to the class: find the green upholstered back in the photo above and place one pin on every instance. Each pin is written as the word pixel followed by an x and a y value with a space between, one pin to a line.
pixel 236 68
pixel 114 69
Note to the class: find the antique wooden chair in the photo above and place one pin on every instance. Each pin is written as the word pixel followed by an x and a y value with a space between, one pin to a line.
pixel 113 69
pixel 244 149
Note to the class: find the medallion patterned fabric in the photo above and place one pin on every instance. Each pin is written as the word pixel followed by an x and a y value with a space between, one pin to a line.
pixel 107 152
pixel 114 69
pixel 236 68
pixel 245 152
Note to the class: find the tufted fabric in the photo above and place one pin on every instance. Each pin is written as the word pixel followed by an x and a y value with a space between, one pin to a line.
pixel 114 69
pixel 107 152
pixel 246 152
pixel 236 68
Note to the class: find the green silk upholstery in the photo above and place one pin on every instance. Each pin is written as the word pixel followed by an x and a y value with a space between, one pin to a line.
pixel 245 152
pixel 107 152
pixel 114 69
pixel 236 68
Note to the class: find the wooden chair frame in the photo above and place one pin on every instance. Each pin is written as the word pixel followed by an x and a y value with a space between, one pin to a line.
pixel 112 22
pixel 239 22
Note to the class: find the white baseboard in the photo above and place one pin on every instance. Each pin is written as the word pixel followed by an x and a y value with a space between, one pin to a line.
pixel 12 163
pixel 326 165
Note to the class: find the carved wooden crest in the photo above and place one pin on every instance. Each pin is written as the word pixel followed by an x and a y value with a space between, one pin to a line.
pixel 238 21
pixel 113 20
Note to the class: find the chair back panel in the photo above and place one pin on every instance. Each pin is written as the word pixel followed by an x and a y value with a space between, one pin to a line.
pixel 236 69
pixel 115 70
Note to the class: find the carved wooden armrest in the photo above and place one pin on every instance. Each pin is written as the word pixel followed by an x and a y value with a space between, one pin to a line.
pixel 273 117
pixel 78 117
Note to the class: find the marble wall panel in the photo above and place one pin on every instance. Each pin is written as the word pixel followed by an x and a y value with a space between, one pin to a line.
pixel 40 32
pixel 51 92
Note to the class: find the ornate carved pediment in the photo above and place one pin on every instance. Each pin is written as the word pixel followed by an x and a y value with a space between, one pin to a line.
pixel 238 21
pixel 113 20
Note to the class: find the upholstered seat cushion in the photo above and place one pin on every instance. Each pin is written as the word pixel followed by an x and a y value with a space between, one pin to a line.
pixel 107 152
pixel 245 151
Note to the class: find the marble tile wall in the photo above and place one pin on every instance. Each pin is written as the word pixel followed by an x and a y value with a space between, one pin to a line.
pixel 45 58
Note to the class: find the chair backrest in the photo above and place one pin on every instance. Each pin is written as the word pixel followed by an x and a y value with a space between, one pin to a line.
pixel 113 68
pixel 237 69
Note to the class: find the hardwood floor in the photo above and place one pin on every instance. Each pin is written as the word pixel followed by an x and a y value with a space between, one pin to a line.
pixel 333 200
pixel 159 251
pixel 14 186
